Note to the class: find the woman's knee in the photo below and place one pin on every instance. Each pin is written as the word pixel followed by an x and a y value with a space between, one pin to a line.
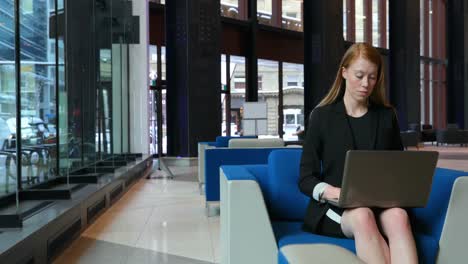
pixel 395 221
pixel 362 220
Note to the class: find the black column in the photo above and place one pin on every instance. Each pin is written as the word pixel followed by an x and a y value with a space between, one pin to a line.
pixel 404 76
pixel 323 49
pixel 457 69
pixel 193 74
pixel 251 66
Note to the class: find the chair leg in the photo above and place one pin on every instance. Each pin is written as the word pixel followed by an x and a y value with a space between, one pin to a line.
pixel 212 209
pixel 201 188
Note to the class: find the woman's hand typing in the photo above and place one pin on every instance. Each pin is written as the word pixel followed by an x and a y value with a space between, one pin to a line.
pixel 331 193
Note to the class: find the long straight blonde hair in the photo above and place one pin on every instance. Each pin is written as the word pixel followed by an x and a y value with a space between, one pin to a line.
pixel 338 88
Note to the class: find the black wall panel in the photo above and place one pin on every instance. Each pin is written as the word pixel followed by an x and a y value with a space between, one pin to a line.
pixel 323 49
pixel 404 61
pixel 457 69
pixel 193 74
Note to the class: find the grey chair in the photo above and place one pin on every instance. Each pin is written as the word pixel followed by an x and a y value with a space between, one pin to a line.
pixel 428 134
pixel 414 127
pixel 452 126
pixel 452 136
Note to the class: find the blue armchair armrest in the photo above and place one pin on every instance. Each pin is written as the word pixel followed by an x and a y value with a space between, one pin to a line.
pixel 216 157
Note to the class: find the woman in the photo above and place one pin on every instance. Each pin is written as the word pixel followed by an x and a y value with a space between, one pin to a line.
pixel 354 115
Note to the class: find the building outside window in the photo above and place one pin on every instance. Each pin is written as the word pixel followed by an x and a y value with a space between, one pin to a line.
pixel 433 66
pixel 153 76
pixel 47 107
pixel 292 14
pixel 268 79
pixel 293 100
pixel 230 8
pixel 264 12
pixel 366 21
pixel 237 80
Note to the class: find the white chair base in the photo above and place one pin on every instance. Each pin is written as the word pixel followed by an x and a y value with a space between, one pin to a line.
pixel 318 253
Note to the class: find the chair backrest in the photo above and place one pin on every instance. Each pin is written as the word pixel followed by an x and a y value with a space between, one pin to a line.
pixel 256 143
pixel 452 126
pixel 414 127
pixel 284 199
pixel 426 126
pixel 223 141
pixel 430 219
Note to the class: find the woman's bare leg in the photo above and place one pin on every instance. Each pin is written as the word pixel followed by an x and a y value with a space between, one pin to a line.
pixel 396 227
pixel 360 223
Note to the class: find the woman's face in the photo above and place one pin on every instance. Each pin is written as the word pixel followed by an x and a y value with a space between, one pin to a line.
pixel 360 77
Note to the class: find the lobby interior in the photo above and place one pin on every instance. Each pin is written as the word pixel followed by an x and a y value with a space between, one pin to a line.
pixel 112 99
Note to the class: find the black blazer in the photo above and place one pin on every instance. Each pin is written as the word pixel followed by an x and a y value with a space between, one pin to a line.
pixel 328 139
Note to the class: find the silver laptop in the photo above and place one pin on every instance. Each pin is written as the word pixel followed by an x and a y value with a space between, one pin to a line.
pixel 386 179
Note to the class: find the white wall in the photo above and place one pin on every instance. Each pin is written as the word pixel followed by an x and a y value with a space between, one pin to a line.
pixel 139 80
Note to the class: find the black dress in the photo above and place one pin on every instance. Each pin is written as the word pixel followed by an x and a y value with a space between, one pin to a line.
pixel 330 134
pixel 360 128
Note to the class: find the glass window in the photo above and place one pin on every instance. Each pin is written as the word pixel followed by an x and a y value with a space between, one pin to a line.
pixel 422 27
pixel 7 102
pixel 230 8
pixel 345 21
pixel 103 89
pixel 26 6
pixel 62 101
pixel 292 80
pixel 300 119
pixel 48 107
pixel 239 82
pixel 223 73
pixel 264 12
pixel 292 14
pixel 387 18
pixel 153 63
pixel 268 77
pixel 293 100
pixel 119 92
pixel 163 62
pixel 290 119
pixel 433 65
pixel 366 21
pixel 375 23
pixel 38 93
pixel 360 20
pixel 224 127
pixel 225 115
pixel 153 100
pixel 237 73
pixel 259 82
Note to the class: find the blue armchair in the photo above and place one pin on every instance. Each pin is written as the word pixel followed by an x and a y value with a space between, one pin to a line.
pixel 262 211
pixel 221 142
pixel 216 157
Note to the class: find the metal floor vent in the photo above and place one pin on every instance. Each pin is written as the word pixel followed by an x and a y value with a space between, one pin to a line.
pixel 57 243
pixel 115 193
pixel 129 181
pixel 95 209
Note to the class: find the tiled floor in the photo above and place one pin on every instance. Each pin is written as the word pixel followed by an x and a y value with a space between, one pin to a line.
pixel 163 221
pixel 156 221
pixel 450 157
